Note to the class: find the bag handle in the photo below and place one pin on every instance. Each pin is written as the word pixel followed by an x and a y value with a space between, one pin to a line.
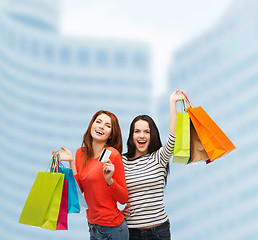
pixel 58 162
pixel 55 161
pixel 183 108
pixel 187 100
pixel 50 165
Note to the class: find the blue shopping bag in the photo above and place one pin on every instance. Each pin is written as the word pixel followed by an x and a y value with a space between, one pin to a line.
pixel 72 194
pixel 82 202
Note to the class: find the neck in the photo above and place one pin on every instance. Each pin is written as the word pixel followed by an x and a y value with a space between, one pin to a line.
pixel 138 154
pixel 97 148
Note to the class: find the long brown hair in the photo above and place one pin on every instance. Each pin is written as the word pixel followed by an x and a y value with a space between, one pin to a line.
pixel 115 139
pixel 155 142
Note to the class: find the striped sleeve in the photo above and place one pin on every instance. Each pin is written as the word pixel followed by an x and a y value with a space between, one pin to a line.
pixel 165 153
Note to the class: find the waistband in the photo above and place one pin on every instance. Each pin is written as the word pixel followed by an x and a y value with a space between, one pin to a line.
pixel 152 229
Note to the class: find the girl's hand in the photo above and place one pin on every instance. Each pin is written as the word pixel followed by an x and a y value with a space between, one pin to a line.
pixel 174 97
pixel 127 212
pixel 108 171
pixel 65 155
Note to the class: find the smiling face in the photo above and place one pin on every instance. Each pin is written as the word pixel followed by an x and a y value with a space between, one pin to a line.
pixel 141 137
pixel 101 128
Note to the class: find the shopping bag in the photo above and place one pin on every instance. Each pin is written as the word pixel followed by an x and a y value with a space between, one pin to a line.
pixel 213 139
pixel 198 152
pixel 182 140
pixel 75 198
pixel 63 212
pixel 42 206
pixel 82 202
pixel 72 194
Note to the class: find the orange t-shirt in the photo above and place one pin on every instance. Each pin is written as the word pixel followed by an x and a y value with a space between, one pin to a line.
pixel 101 198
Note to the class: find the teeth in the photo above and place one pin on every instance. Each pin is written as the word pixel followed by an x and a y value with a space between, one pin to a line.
pixel 100 132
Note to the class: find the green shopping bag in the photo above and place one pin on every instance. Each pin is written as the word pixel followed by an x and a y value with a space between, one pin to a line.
pixel 182 141
pixel 42 206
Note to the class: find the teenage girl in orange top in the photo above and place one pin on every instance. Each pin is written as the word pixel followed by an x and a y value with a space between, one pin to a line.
pixel 103 184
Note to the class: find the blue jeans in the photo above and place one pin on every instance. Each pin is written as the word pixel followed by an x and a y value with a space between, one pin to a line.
pixel 161 232
pixel 98 232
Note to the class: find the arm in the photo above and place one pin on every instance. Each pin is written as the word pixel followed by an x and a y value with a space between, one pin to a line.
pixel 115 177
pixel 164 153
pixel 174 97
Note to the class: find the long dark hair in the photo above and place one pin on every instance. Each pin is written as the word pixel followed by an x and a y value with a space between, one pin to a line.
pixel 155 142
pixel 115 139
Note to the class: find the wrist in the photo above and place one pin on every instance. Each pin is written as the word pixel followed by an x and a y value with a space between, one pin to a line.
pixel 172 101
pixel 110 182
pixel 71 163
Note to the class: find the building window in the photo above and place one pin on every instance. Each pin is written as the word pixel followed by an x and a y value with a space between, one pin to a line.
pixel 34 49
pixel 120 59
pixel 22 44
pixel 83 56
pixel 3 34
pixel 65 55
pixel 11 39
pixel 139 61
pixel 102 58
pixel 49 52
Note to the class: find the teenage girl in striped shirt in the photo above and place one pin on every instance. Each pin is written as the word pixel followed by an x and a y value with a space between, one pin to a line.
pixel 146 166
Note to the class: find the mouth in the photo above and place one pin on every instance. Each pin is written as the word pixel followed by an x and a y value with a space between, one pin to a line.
pixel 100 133
pixel 141 143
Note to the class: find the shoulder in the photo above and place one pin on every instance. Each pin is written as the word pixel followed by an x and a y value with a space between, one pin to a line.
pixel 79 152
pixel 113 151
pixel 115 155
pixel 124 159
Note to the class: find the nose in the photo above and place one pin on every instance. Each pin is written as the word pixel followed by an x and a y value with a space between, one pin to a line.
pixel 142 134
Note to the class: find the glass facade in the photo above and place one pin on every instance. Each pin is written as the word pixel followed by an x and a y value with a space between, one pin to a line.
pixel 50 87
pixel 219 72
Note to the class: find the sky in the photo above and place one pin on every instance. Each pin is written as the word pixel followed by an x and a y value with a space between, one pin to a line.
pixel 165 25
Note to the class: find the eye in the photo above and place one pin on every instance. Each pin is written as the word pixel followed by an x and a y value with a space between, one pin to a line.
pixel 109 126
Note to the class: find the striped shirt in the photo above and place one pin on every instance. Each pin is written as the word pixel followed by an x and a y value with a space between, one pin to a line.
pixel 145 177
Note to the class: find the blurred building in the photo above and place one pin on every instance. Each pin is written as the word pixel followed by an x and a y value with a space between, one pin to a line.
pixel 219 71
pixel 50 87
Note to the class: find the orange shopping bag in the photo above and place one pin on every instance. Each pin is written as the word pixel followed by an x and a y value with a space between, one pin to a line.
pixel 213 139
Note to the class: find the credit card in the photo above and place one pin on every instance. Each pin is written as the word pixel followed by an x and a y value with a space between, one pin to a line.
pixel 104 155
